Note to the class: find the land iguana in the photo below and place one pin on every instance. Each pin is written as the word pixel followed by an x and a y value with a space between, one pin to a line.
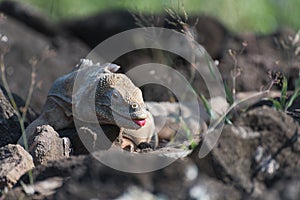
pixel 117 102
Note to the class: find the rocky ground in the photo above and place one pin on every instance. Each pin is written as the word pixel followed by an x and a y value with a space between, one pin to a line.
pixel 257 157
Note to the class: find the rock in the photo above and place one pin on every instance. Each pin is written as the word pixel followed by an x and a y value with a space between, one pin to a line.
pixel 180 180
pixel 85 178
pixel 208 188
pixel 296 104
pixel 287 188
pixel 263 141
pixel 293 111
pixel 46 145
pixel 275 128
pixel 14 162
pixel 41 189
pixel 53 174
pixel 232 163
pixel 9 124
pixel 31 113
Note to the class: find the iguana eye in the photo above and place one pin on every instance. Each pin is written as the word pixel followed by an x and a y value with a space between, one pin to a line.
pixel 115 94
pixel 134 105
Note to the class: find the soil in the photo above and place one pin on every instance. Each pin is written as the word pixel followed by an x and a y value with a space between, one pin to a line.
pixel 256 157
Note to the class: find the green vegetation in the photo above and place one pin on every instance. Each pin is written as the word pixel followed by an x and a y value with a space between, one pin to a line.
pixel 238 15
pixel 283 103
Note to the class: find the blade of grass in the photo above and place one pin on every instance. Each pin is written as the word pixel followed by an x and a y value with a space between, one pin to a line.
pixel 295 95
pixel 229 95
pixel 283 92
pixel 276 104
pixel 207 107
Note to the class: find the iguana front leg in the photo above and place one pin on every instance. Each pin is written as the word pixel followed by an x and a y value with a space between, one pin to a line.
pixel 124 142
pixel 53 115
pixel 142 138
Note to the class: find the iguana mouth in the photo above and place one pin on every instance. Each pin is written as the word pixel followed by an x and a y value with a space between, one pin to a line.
pixel 138 121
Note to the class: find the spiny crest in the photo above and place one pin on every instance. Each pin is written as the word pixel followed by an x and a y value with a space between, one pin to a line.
pixel 107 67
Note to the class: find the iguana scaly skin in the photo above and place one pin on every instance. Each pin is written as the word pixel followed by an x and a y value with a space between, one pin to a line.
pixel 117 101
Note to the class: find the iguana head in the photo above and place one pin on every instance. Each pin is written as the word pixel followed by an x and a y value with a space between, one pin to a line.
pixel 118 101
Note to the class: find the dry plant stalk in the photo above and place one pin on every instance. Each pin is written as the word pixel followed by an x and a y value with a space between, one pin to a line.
pixel 20 113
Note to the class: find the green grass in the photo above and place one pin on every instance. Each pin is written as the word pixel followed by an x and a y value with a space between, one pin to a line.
pixel 283 103
pixel 238 15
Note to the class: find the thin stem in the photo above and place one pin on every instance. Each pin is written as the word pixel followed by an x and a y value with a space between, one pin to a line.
pixel 13 102
pixel 29 95
pixel 6 86
pixel 234 78
pixel 220 119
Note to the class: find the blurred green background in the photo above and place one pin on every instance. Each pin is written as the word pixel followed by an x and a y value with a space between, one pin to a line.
pixel 261 16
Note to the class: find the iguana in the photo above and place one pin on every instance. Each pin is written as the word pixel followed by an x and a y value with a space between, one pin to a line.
pixel 117 101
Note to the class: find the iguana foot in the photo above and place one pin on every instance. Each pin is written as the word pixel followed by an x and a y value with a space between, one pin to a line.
pixel 145 145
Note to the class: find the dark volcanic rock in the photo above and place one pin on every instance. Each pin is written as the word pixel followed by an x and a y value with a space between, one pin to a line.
pixel 9 124
pixel 14 162
pixel 287 188
pixel 20 103
pixel 262 152
pixel 46 145
pixel 86 177
pixel 180 180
